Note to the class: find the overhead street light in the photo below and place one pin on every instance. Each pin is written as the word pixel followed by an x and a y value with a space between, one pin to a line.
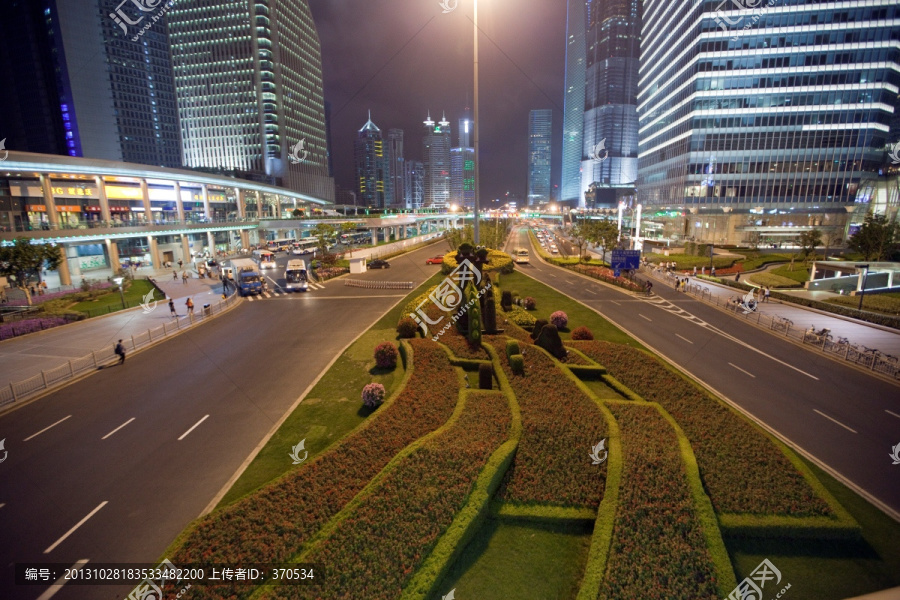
pixel 118 281
pixel 862 293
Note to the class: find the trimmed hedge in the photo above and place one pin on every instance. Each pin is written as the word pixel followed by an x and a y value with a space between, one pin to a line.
pixel 512 347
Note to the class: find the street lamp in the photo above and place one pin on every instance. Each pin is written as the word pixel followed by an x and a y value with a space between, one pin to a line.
pixel 476 124
pixel 118 281
pixel 862 293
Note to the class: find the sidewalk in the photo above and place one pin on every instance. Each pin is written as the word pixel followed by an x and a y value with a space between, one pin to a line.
pixel 884 339
pixel 29 355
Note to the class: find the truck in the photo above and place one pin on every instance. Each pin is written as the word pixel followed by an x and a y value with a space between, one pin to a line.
pixel 295 276
pixel 246 277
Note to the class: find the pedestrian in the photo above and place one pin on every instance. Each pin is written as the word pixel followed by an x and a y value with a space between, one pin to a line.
pixel 184 277
pixel 695 270
pixel 766 295
pixel 172 307
pixel 649 287
pixel 737 277
pixel 120 350
pixel 180 263
pixel 174 275
pixel 703 271
pixel 712 271
pixel 190 305
pixel 33 292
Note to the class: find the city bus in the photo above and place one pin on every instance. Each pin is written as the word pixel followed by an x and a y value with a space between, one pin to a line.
pixel 264 258
pixel 295 276
pixel 283 245
pixel 305 246
pixel 521 255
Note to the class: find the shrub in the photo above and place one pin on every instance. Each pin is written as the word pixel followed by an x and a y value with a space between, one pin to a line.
pixel 485 376
pixel 582 333
pixel 407 328
pixel 530 303
pixel 550 341
pixel 512 347
pixel 520 317
pixel 506 300
pixel 474 311
pixel 559 319
pixel 538 326
pixel 517 364
pixel 373 395
pixel 385 355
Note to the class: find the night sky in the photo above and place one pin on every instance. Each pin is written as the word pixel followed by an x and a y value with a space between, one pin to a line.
pixel 433 69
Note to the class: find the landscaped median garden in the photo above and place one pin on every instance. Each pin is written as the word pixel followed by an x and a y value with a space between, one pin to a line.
pixel 552 460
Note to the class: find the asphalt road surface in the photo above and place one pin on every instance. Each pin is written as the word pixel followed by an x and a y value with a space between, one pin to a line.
pixel 844 418
pixel 112 468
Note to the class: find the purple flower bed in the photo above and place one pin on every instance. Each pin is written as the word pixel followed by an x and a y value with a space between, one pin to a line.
pixel 38 299
pixel 11 330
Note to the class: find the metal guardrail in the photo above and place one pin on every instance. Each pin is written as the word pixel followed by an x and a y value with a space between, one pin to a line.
pixel 868 358
pixel 50 378
pixel 379 285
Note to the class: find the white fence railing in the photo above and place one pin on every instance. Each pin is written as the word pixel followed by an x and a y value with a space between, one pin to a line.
pixel 379 285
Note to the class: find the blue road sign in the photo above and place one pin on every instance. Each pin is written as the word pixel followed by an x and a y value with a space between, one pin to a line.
pixel 617 272
pixel 626 259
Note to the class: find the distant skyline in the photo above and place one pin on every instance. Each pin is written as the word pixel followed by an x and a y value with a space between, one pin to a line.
pixel 363 40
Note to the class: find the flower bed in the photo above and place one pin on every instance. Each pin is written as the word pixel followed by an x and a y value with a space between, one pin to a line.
pixel 658 551
pixel 560 425
pixel 272 524
pixel 376 549
pixel 25 326
pixel 326 273
pixel 743 470
pixel 607 275
pixel 460 346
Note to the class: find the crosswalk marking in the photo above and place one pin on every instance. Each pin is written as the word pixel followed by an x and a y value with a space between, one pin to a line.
pixel 280 292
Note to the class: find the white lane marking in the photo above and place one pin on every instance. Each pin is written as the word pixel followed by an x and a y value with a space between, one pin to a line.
pixel 552 275
pixel 591 292
pixel 77 525
pixel 885 410
pixel 185 434
pixel 617 304
pixel 118 428
pixel 57 585
pixel 743 371
pixel 34 435
pixel 834 420
pixel 643 317
pixel 684 338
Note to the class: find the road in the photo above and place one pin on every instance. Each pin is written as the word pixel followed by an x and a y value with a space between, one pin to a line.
pixel 845 419
pixel 125 459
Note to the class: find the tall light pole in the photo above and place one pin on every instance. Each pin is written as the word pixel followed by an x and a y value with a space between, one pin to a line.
pixel 477 122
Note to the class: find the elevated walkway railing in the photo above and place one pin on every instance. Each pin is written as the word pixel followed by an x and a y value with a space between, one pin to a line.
pixel 379 285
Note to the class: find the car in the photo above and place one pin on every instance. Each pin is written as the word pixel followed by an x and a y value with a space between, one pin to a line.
pixel 378 263
pixel 435 260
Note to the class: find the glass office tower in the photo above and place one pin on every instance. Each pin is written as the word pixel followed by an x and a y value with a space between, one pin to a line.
pixel 756 124
pixel 540 143
pixel 368 154
pixel 573 110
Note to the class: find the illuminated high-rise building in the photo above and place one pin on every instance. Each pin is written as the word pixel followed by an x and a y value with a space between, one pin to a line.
pixel 573 109
pixel 248 78
pixel 414 184
pixel 758 125
pixel 540 144
pixel 462 165
pixel 394 193
pixel 371 168
pixel 436 163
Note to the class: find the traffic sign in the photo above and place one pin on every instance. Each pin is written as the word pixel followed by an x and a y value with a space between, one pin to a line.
pixel 626 259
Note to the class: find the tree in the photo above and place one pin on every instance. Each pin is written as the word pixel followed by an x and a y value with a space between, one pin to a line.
pixel 579 233
pixel 297 212
pixel 604 233
pixel 876 239
pixel 809 240
pixel 23 260
pixel 323 233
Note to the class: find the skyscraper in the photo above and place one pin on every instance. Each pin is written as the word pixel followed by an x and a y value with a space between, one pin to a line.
pixel 414 184
pixel 758 125
pixel 99 93
pixel 396 169
pixel 462 165
pixel 368 154
pixel 573 108
pixel 436 163
pixel 248 77
pixel 610 145
pixel 540 143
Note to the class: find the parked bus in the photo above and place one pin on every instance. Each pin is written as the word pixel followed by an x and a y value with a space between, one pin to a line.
pixel 282 245
pixel 264 258
pixel 295 276
pixel 305 246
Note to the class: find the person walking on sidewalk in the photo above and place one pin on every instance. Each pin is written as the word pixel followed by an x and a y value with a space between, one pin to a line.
pixel 649 288
pixel 737 277
pixel 190 305
pixel 172 307
pixel 180 264
pixel 120 350
pixel 184 277
pixel 174 276
pixel 766 294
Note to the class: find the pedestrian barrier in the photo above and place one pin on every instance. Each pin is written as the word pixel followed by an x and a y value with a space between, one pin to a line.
pixel 868 358
pixel 379 285
pixel 56 376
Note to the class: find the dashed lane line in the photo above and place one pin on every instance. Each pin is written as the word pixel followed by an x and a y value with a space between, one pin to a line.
pixel 833 420
pixel 193 427
pixel 118 428
pixel 743 371
pixel 34 435
pixel 57 585
pixel 77 525
pixel 684 338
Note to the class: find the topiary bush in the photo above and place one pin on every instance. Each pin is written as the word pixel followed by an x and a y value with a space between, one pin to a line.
pixel 489 309
pixel 512 347
pixel 529 303
pixel 517 364
pixel 538 326
pixel 520 317
pixel 559 319
pixel 373 395
pixel 506 300
pixel 407 328
pixel 485 376
pixel 385 356
pixel 550 341
pixel 582 333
